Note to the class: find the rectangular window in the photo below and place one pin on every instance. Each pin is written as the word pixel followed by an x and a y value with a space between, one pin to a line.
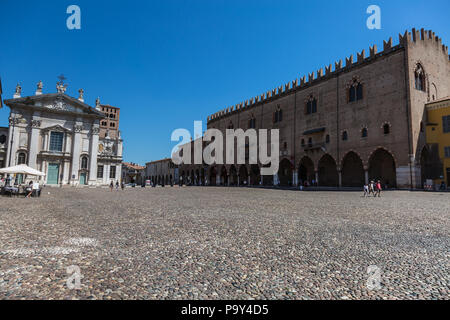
pixel 112 172
pixel 56 141
pixel 100 172
pixel 446 123
pixel 447 152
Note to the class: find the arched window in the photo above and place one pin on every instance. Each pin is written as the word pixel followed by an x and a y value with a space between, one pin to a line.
pixel 419 77
pixel 84 163
pixel 355 91
pixel 364 133
pixel 327 139
pixel 278 115
pixel 2 139
pixel 386 128
pixel 311 105
pixel 344 136
pixel 252 122
pixel 21 158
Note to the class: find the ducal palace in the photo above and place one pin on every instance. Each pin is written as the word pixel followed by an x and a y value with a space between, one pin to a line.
pixel 71 142
pixel 343 126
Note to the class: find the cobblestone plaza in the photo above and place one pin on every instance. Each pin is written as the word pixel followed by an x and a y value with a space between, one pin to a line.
pixel 224 243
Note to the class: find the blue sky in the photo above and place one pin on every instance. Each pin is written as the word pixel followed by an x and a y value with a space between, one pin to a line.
pixel 168 63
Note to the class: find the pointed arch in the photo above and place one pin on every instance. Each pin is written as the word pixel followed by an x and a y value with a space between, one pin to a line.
pixel 352 170
pixel 327 170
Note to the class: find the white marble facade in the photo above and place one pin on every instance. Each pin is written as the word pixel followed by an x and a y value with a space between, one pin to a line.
pixel 59 135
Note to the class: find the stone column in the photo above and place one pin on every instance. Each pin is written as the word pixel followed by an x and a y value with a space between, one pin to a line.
pixel 66 177
pixel 119 172
pixel 218 180
pixel 9 147
pixel 76 152
pixel 340 178
pixel 317 177
pixel 93 155
pixel 366 175
pixel 238 181
pixel 106 170
pixel 34 143
pixel 295 178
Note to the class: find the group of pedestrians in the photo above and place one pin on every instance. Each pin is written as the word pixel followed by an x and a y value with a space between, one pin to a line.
pixel 373 188
pixel 111 185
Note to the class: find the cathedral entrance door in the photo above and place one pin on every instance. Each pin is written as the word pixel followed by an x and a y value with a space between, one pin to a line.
pixel 83 178
pixel 52 173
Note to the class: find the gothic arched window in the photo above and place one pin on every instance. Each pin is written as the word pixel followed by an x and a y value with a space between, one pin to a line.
pixel 252 123
pixel 355 92
pixel 386 128
pixel 344 136
pixel 311 105
pixel 364 133
pixel 278 115
pixel 419 77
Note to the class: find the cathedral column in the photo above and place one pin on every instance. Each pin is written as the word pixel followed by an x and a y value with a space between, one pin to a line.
pixel 93 155
pixel 294 178
pixel 366 175
pixel 13 140
pixel 76 152
pixel 34 143
pixel 317 178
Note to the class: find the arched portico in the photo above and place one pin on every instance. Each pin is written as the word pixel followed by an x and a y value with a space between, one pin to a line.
pixel 382 167
pixel 353 174
pixel 327 170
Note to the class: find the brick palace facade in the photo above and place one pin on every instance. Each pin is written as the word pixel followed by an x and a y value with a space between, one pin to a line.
pixel 346 125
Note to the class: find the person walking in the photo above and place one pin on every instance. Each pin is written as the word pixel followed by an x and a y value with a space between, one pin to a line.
pixel 378 186
pixel 30 189
pixel 372 188
pixel 117 185
pixel 122 185
pixel 366 190
pixel 111 186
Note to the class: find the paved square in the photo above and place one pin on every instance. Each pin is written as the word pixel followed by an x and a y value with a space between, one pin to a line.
pixel 224 243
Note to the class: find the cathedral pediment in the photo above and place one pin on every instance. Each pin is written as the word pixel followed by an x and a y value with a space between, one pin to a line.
pixel 57 128
pixel 57 102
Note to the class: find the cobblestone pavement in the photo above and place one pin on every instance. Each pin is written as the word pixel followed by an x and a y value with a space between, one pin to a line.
pixel 224 243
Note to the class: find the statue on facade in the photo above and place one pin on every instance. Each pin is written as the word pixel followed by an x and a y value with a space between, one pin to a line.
pixel 18 92
pixel 81 96
pixel 40 85
pixel 97 103
pixel 61 87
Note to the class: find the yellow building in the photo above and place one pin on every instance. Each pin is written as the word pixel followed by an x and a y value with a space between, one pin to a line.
pixel 437 152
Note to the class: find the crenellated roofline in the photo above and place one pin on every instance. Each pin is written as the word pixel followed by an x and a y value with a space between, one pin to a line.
pixel 320 75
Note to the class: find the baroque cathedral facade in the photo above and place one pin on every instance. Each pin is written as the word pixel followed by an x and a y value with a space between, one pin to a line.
pixel 63 137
